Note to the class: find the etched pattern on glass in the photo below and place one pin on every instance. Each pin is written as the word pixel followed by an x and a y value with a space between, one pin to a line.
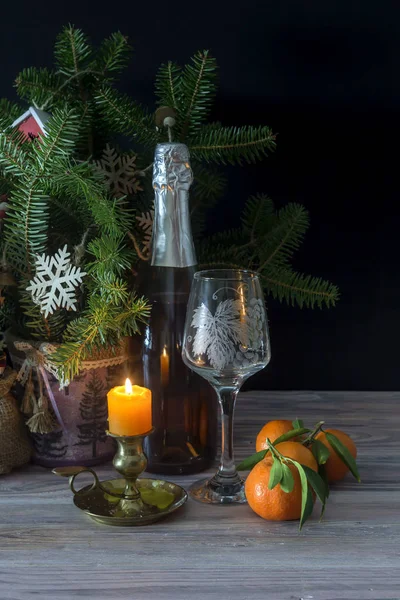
pixel 233 335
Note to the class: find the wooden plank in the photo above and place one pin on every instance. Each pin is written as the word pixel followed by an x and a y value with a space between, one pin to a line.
pixel 51 551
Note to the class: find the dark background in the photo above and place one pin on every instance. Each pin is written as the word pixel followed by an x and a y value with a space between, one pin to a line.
pixel 325 76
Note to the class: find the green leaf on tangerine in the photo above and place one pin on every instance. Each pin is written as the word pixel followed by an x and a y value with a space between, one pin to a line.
pixel 248 463
pixel 287 481
pixel 298 424
pixel 275 474
pixel 317 484
pixel 320 451
pixel 307 500
pixel 343 454
pixel 285 437
pixel 323 474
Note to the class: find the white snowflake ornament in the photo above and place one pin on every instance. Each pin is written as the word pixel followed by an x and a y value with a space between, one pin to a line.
pixel 54 285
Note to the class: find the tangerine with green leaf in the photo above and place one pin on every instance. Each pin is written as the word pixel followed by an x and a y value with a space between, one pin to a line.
pixel 335 468
pixel 276 504
pixel 272 430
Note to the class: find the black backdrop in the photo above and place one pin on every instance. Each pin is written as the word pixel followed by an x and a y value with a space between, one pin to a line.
pixel 325 76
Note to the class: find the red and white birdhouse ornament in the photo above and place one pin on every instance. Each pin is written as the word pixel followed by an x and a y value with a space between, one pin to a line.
pixel 32 123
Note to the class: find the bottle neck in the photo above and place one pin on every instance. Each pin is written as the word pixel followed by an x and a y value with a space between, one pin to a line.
pixel 172 241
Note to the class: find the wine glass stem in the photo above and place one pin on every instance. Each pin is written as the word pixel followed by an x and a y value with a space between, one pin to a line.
pixel 227 471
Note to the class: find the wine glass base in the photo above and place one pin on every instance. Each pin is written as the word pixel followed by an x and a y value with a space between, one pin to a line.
pixel 208 493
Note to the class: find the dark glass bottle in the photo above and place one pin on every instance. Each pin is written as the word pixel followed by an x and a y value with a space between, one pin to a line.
pixel 185 413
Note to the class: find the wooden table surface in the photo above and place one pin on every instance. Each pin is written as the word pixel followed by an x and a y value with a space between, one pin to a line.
pixel 49 550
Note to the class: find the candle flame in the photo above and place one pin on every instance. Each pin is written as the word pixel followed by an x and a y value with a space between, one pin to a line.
pixel 128 386
pixel 164 352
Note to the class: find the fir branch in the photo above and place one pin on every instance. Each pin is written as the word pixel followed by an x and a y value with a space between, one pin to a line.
pixel 15 161
pixel 296 288
pixel 38 86
pixel 9 112
pixel 82 181
pixel 136 310
pixel 100 324
pixel 198 91
pixel 266 243
pixel 111 256
pixel 209 183
pixel 168 86
pixel 113 55
pixel 112 289
pixel 60 91
pixel 39 327
pixel 285 237
pixel 227 246
pixel 27 216
pixel 232 144
pixel 258 216
pixel 60 139
pixel 207 189
pixel 72 51
pixel 125 116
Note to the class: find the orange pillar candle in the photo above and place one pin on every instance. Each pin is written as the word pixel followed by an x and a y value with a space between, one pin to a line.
pixel 129 409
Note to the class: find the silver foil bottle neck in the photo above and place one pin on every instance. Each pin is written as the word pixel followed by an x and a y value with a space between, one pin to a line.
pixel 172 241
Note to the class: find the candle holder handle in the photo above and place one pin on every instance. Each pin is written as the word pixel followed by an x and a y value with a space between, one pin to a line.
pixel 73 472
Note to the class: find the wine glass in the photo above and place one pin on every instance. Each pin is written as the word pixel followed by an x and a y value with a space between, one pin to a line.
pixel 225 341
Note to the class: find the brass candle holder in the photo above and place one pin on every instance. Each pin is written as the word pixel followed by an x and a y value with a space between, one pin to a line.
pixel 128 501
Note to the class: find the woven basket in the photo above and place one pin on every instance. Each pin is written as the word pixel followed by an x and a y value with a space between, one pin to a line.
pixel 15 449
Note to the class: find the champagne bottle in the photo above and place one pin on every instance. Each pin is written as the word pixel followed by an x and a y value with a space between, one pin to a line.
pixel 184 409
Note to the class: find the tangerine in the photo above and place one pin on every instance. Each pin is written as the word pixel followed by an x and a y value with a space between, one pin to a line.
pixel 272 430
pixel 334 466
pixel 276 505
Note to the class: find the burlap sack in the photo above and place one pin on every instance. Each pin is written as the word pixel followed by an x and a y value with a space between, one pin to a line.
pixel 15 449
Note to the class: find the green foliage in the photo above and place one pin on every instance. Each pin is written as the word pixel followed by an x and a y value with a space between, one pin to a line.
pixel 58 197
pixel 72 51
pixel 266 243
pixel 309 480
pixel 113 55
pixel 232 144
pixel 343 453
pixel 127 117
pixel 248 463
pixel 101 324
pixel 208 187
pixel 9 112
pixel 198 91
pixel 39 87
pixel 190 91
pixel 287 481
pixel 168 86
pixel 111 255
pixel 13 158
pixel 51 184
pixel 320 451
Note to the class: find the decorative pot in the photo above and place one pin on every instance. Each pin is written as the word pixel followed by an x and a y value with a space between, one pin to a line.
pixel 79 437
